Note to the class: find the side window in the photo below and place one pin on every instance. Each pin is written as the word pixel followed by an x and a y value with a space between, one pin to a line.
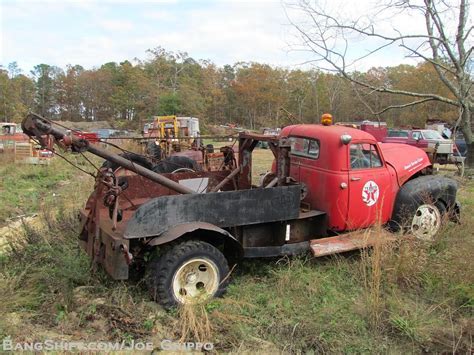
pixel 305 147
pixel 416 135
pixel 313 149
pixel 400 134
pixel 364 156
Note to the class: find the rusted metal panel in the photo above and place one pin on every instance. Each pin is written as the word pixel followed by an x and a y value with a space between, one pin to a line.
pixel 223 209
pixel 115 260
pixel 142 188
pixel 105 247
pixel 307 226
pixel 247 143
pixel 347 242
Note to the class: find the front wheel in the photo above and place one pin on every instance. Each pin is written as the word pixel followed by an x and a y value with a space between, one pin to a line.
pixel 188 272
pixel 422 204
pixel 426 221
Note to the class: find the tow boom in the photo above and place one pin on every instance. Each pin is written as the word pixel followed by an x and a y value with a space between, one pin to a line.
pixel 37 127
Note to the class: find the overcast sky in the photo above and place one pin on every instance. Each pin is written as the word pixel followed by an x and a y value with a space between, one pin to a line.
pixel 91 33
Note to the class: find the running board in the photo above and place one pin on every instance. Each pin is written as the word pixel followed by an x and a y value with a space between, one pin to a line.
pixel 347 242
pixel 286 249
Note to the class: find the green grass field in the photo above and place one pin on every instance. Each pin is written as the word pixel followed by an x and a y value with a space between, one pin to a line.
pixel 404 297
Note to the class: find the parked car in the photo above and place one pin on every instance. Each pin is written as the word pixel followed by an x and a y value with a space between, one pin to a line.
pixel 427 139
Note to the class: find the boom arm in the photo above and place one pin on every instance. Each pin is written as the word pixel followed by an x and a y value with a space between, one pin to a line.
pixel 36 127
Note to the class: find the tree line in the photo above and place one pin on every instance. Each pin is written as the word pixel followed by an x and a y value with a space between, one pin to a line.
pixel 247 93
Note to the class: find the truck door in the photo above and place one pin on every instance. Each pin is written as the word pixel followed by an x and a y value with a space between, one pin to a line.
pixel 369 183
pixel 415 138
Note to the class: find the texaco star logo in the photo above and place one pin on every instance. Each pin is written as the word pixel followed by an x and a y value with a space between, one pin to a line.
pixel 370 193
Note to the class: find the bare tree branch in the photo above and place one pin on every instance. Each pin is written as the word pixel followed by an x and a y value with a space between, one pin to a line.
pixel 413 103
pixel 447 46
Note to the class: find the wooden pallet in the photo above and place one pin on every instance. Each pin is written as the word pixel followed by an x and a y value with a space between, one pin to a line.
pixel 23 151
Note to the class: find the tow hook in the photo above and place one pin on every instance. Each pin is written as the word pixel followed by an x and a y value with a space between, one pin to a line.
pixel 128 256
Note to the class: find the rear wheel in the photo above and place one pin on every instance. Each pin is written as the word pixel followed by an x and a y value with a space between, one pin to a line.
pixel 196 277
pixel 188 272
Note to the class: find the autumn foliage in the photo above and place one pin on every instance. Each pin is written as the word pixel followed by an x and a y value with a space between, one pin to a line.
pixel 248 94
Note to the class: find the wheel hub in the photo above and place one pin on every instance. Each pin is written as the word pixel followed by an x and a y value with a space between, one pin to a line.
pixel 196 279
pixel 191 278
pixel 426 222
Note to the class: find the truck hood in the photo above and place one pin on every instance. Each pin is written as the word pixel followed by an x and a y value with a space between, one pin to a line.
pixel 405 159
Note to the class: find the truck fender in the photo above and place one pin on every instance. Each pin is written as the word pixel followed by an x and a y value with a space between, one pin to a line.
pixel 417 191
pixel 204 231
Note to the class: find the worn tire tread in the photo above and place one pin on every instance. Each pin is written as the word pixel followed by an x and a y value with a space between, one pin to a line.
pixel 441 190
pixel 161 269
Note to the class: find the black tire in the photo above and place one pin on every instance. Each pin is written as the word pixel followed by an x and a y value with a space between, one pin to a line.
pixel 161 271
pixel 210 148
pixel 136 158
pixel 154 150
pixel 170 164
pixel 436 193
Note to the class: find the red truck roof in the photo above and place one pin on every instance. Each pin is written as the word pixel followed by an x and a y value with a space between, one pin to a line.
pixel 328 132
pixel 329 138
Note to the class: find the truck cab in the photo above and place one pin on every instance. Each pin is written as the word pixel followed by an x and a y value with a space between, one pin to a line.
pixel 348 174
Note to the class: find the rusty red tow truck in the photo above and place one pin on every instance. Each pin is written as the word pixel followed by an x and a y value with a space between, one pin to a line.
pixel 184 231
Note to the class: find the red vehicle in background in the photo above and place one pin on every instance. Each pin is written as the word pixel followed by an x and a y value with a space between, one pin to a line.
pixel 9 134
pixel 92 137
pixel 439 149
pixel 19 145
pixel 427 139
pixel 378 129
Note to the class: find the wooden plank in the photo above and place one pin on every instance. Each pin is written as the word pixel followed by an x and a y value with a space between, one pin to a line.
pixel 347 242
